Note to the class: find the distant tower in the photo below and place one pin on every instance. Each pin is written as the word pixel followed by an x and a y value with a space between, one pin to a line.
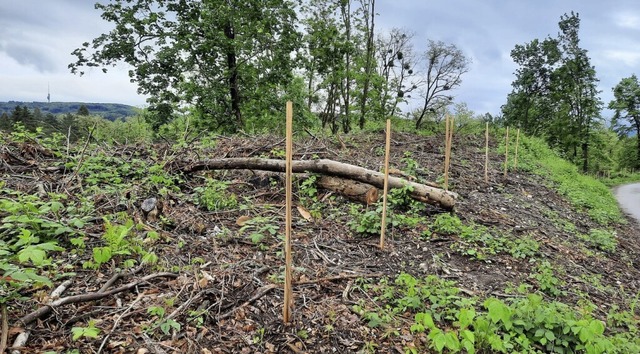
pixel 48 94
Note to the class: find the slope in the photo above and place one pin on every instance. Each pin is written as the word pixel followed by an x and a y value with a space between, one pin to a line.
pixel 539 260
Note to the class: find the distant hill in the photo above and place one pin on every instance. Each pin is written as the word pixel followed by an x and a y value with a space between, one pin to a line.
pixel 111 111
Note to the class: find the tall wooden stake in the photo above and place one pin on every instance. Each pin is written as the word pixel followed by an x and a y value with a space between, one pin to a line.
pixel 506 153
pixel 515 164
pixel 486 154
pixel 288 296
pixel 447 149
pixel 387 147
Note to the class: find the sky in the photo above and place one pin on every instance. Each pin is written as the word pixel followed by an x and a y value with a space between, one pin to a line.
pixel 37 38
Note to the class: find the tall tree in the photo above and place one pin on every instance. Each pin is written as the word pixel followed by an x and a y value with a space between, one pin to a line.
pixel 555 92
pixel 626 104
pixel 528 105
pixel 445 65
pixel 228 58
pixel 574 86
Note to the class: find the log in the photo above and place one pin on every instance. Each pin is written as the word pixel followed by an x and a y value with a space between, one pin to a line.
pixel 421 192
pixel 361 192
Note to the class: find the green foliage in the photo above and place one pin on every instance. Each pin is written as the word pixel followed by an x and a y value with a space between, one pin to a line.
pixel 449 323
pixel 626 104
pixel 90 331
pixel 584 192
pixel 478 241
pixel 242 77
pixel 161 322
pixel 555 93
pixel 605 240
pixel 547 281
pixel 402 212
pixel 258 228
pixel 120 243
pixel 214 196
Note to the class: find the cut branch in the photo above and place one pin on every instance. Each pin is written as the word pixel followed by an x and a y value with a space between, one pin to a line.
pixel 421 192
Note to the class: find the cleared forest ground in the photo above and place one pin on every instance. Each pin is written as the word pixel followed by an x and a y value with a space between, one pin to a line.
pixel 211 249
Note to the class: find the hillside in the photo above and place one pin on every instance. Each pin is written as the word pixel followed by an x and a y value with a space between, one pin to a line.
pixel 111 111
pixel 537 261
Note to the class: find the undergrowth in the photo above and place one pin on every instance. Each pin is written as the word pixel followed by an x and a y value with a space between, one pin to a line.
pixel 430 314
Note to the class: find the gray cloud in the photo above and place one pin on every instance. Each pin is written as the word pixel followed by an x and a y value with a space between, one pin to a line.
pixel 30 56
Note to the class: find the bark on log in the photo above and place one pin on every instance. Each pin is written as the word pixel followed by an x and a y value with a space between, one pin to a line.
pixel 361 192
pixel 424 193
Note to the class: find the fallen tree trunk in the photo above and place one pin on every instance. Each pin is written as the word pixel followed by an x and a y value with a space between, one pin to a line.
pixel 421 192
pixel 361 192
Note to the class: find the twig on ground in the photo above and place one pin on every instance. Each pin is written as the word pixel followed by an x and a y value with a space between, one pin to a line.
pixel 260 293
pixel 339 277
pixel 117 321
pixel 41 312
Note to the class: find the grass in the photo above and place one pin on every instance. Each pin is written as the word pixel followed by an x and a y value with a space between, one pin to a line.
pixel 584 192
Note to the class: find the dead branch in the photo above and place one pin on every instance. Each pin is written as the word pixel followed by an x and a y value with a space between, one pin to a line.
pixel 43 311
pixel 260 293
pixel 422 192
pixel 338 277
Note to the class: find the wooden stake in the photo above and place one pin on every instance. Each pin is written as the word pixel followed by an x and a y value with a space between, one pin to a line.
pixel 447 149
pixel 515 164
pixel 288 296
pixel 387 147
pixel 486 154
pixel 506 153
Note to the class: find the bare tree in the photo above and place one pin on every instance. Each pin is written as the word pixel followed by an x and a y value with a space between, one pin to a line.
pixel 396 66
pixel 445 64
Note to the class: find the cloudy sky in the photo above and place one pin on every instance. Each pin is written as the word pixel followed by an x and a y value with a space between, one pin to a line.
pixel 37 37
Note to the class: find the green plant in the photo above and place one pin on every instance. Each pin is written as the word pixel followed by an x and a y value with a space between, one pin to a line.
pixel 120 240
pixel 90 331
pixel 447 224
pixel 604 240
pixel 214 196
pixel 164 324
pixel 258 228
pixel 547 281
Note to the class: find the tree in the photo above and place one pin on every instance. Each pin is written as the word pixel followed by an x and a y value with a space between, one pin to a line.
pixel 83 110
pixel 575 91
pixel 555 93
pixel 396 67
pixel 369 20
pixel 626 104
pixel 445 65
pixel 228 58
pixel 5 121
pixel 528 105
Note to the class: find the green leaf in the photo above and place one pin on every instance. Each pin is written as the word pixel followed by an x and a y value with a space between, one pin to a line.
pixel 101 254
pixel 33 254
pixel 465 317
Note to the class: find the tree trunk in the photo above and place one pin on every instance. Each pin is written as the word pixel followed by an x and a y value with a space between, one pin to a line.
pixel 637 121
pixel 421 192
pixel 367 68
pixel 361 192
pixel 232 65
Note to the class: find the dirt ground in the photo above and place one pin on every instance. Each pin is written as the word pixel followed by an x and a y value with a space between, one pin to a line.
pixel 226 290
